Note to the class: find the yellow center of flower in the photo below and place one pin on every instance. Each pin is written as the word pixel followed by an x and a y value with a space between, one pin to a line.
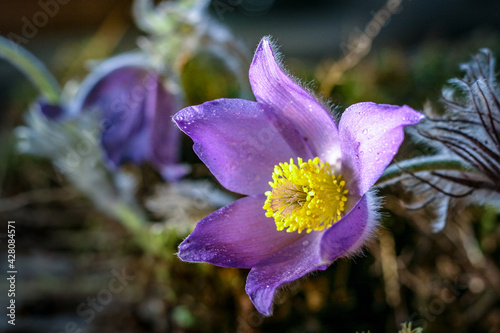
pixel 305 196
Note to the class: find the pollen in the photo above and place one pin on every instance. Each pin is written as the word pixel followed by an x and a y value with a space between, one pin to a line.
pixel 305 196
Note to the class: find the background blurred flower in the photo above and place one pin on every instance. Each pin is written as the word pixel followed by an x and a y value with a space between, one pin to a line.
pixel 242 142
pixel 121 112
pixel 135 107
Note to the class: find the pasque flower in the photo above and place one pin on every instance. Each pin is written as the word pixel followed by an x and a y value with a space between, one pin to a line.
pixel 305 177
pixel 135 109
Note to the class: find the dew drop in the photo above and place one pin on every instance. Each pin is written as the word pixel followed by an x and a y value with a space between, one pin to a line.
pixel 305 243
pixel 365 131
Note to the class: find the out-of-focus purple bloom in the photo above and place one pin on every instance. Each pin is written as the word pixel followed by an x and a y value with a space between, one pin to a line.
pixel 135 110
pixel 321 171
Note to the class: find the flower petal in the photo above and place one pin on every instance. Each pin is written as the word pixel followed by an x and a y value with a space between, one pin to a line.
pixel 370 136
pixel 125 102
pixel 81 101
pixel 240 141
pixel 165 136
pixel 238 235
pixel 273 87
pixel 349 234
pixel 286 265
pixel 315 251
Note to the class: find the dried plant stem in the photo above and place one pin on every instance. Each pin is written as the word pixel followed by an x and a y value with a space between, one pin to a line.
pixel 330 74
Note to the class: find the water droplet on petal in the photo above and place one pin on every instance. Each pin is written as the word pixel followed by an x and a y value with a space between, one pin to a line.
pixel 365 131
pixel 305 243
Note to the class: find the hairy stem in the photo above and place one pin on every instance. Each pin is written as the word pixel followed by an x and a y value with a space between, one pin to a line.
pixel 33 68
pixel 419 164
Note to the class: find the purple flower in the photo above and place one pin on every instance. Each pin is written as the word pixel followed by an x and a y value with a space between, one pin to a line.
pixel 135 110
pixel 306 178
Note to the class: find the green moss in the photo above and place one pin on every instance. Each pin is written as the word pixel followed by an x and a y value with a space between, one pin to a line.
pixel 205 77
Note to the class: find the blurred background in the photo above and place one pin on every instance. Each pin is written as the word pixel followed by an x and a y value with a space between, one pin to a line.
pixel 68 251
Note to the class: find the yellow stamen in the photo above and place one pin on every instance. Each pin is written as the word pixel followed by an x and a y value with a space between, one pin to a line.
pixel 305 196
